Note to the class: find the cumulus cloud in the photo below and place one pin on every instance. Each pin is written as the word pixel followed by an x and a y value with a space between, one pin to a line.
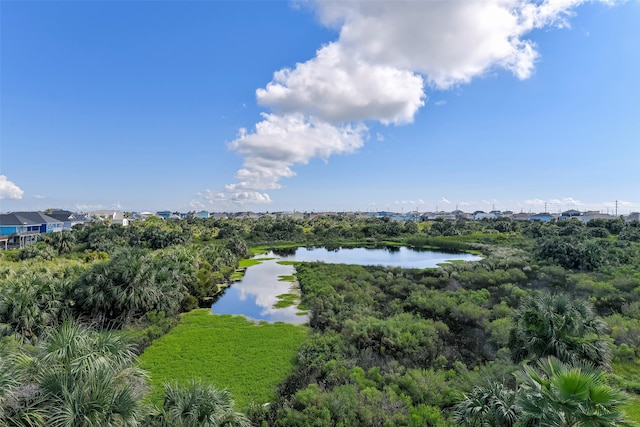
pixel 278 143
pixel 387 53
pixel 534 202
pixel 85 207
pixel 410 202
pixel 336 86
pixel 9 190
pixel 566 201
pixel 226 199
pixel 554 204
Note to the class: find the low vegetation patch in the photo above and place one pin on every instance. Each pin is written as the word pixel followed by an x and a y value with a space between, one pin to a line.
pixel 286 300
pixel 288 262
pixel 249 359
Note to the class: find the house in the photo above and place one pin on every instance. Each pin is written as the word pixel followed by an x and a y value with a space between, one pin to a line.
pixel 164 214
pixel 24 228
pixel 203 214
pixel 68 218
pixel 570 214
pixel 544 216
pixel 144 215
pixel 483 215
pixel 595 215
pixel 116 217
pixel 521 216
pixel 633 216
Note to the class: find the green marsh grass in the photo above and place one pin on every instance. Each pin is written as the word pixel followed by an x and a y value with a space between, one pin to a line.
pixel 286 300
pixel 289 262
pixel 630 374
pixel 249 359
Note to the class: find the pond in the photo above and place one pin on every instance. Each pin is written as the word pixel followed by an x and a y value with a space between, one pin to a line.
pixel 257 293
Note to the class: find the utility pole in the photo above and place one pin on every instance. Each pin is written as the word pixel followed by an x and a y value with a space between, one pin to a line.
pixel 545 207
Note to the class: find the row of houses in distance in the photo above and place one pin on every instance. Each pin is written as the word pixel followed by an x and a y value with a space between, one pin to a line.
pixel 584 216
pixel 18 229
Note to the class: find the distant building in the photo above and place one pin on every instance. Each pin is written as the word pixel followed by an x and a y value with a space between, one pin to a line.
pixel 482 215
pixel 164 214
pixel 521 216
pixel 68 218
pixel 595 215
pixel 204 214
pixel 544 216
pixel 24 228
pixel 571 213
pixel 633 216
pixel 116 217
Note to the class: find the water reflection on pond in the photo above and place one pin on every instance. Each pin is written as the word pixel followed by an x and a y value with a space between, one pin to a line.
pixel 387 256
pixel 257 292
pixel 255 295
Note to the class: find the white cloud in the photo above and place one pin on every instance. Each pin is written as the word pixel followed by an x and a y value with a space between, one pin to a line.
pixel 449 42
pixel 278 143
pixel 9 190
pixel 39 196
pixel 534 202
pixel 197 204
pixel 339 87
pixel 410 202
pixel 231 197
pixel 566 201
pixel 619 203
pixel 443 200
pixel 84 207
pixel 377 69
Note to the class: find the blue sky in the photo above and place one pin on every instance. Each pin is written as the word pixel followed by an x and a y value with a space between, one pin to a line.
pixel 274 105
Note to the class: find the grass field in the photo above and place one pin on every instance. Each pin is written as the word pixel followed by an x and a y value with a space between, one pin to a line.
pixel 630 372
pixel 231 352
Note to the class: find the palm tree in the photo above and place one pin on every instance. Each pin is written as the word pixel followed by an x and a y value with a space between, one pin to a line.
pixel 200 405
pixel 560 395
pixel 494 405
pixel 556 325
pixel 65 242
pixel 29 303
pixel 7 383
pixel 127 286
pixel 79 378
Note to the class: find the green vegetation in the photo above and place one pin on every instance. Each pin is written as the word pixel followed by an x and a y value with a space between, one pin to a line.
pixel 286 300
pixel 234 353
pixel 245 263
pixel 550 307
pixel 288 262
